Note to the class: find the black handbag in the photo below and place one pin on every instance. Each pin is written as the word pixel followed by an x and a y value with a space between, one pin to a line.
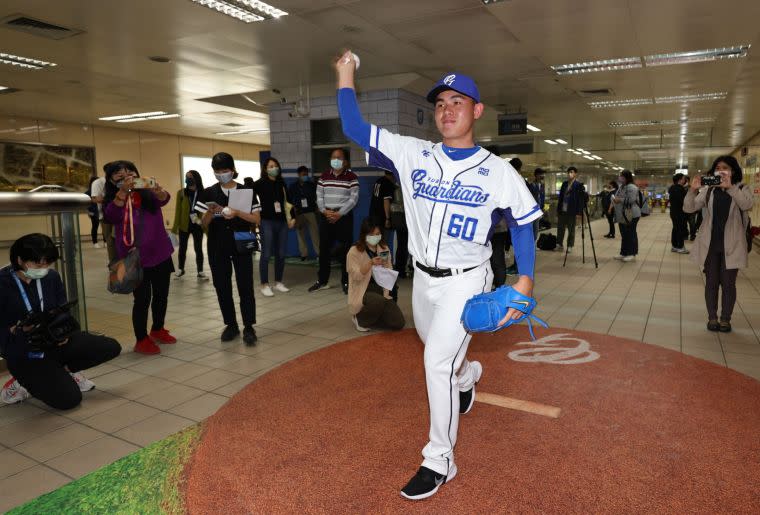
pixel 246 242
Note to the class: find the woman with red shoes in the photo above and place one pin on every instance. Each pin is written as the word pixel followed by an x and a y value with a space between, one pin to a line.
pixel 134 209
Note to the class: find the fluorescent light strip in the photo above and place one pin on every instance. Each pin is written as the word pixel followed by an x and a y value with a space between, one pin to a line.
pixel 639 136
pixel 144 118
pixel 697 56
pixel 642 123
pixel 625 63
pixel 247 11
pixel 620 103
pixel 594 156
pixel 697 97
pixel 550 142
pixel 533 128
pixel 163 117
pixel 25 62
pixel 136 115
pixel 3 88
pixel 245 131
pixel 560 141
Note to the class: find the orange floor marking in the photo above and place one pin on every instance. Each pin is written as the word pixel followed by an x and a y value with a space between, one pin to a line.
pixel 517 404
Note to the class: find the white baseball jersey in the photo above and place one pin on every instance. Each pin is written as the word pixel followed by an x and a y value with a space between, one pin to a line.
pixel 451 206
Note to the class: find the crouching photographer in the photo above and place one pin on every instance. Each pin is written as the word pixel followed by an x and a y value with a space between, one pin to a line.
pixel 42 344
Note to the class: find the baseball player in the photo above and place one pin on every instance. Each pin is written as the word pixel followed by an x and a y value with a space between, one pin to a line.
pixel 454 193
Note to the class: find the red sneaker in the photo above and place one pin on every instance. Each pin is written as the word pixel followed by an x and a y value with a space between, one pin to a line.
pixel 163 336
pixel 146 346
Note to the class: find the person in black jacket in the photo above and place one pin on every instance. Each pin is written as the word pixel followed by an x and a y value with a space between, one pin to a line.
pixel 676 195
pixel 572 198
pixel 51 373
pixel 606 196
pixel 303 195
pixel 224 225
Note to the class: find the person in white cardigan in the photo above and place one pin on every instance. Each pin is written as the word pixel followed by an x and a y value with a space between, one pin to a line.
pixel 369 304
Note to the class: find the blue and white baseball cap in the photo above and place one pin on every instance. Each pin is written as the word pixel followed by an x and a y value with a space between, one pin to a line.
pixel 457 82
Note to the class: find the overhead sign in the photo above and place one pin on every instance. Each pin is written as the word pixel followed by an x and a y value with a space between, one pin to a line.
pixel 513 124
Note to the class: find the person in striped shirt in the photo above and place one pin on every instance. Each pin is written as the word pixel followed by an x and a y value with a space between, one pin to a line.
pixel 337 195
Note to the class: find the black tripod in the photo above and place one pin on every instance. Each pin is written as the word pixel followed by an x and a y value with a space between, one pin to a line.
pixel 585 214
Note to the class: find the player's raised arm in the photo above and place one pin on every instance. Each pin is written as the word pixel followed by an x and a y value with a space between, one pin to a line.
pixel 354 126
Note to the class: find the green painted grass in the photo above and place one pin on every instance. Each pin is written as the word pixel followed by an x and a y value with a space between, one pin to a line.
pixel 147 481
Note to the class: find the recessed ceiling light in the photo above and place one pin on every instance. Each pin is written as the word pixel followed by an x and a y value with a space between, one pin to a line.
pixel 639 136
pixel 625 63
pixel 489 2
pixel 589 158
pixel 143 118
pixel 3 87
pixel 243 131
pixel 594 156
pixel 697 56
pixel 560 141
pixel 247 11
pixel 136 115
pixel 25 62
pixel 627 102
pixel 642 123
pixel 696 97
pixel 532 128
pixel 550 142
pixel 570 150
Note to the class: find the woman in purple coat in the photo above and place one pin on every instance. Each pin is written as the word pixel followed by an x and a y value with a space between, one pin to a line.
pixel 142 226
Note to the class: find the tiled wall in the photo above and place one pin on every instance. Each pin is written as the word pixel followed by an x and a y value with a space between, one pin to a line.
pixel 155 154
pixel 393 109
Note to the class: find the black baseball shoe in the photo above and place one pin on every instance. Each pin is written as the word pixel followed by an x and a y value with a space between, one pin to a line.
pixel 249 336
pixel 467 399
pixel 424 484
pixel 318 286
pixel 230 333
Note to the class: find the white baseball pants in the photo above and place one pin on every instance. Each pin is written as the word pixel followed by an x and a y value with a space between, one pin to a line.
pixel 437 305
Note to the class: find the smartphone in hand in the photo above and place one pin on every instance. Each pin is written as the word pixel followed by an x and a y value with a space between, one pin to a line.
pixel 711 180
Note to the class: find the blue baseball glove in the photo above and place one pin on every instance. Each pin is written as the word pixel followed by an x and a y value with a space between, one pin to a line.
pixel 483 312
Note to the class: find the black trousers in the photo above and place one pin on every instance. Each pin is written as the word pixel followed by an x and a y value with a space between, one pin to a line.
pixel 498 258
pixel 221 275
pixel 402 251
pixel 48 380
pixel 679 231
pixel 153 293
pixel 611 221
pixel 718 276
pixel 197 232
pixel 95 221
pixel 629 246
pixel 341 231
pixel 694 220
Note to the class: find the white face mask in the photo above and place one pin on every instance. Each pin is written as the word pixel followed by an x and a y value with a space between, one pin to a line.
pixel 373 239
pixel 36 273
pixel 336 164
pixel 224 178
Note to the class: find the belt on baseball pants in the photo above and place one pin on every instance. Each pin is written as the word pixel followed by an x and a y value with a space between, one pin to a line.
pixel 442 272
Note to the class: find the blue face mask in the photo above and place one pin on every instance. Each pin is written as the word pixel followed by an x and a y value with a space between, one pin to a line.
pixel 189 182
pixel 36 273
pixel 336 164
pixel 224 178
pixel 305 178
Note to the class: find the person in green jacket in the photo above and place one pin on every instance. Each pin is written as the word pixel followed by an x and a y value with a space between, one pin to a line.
pixel 186 222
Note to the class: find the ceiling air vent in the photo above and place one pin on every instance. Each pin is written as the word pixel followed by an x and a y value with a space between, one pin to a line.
pixel 232 124
pixel 38 27
pixel 604 92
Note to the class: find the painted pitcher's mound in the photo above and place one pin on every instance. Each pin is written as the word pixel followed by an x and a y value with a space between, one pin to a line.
pixel 640 429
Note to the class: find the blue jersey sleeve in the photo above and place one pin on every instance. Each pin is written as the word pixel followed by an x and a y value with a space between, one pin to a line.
pixel 525 249
pixel 354 125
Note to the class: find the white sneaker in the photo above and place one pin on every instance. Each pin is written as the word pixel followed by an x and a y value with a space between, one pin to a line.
pixel 266 291
pixel 627 259
pixel 569 250
pixel 202 276
pixel 619 257
pixel 84 384
pixel 98 246
pixel 281 287
pixel 13 392
pixel 179 273
pixel 358 327
pixel 682 251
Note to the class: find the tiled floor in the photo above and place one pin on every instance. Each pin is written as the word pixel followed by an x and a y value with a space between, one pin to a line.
pixel 140 399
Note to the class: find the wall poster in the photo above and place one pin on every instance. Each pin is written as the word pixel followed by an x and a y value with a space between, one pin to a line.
pixel 24 166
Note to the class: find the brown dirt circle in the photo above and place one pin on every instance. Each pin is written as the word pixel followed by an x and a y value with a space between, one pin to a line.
pixel 642 430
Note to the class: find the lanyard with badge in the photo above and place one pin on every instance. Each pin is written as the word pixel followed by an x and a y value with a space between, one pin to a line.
pixel 28 305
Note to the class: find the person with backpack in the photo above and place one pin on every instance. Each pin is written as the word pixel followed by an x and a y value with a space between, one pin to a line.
pixel 722 245
pixel 627 215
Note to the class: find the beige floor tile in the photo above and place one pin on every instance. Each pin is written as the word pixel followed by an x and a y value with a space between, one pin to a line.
pixel 716 356
pixel 10 413
pixel 92 456
pixel 141 387
pixel 234 387
pixel 118 378
pixel 154 428
pixel 154 366
pixel 117 418
pixel 200 408
pixel 32 427
pixel 58 442
pixel 183 372
pixel 213 379
pixel 94 402
pixel 105 368
pixel 752 349
pixel 249 365
pixel 13 463
pixel 171 396
pixel 28 484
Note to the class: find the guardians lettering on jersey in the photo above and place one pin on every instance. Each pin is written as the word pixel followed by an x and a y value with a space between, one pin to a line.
pixel 449 192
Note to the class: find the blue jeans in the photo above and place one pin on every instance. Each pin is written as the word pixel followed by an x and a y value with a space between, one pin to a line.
pixel 274 237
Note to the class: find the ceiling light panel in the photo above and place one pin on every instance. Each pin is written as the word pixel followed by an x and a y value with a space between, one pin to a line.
pixel 696 97
pixel 604 65
pixel 550 142
pixel 136 115
pixel 243 131
pixel 558 140
pixel 697 56
pixel 626 102
pixel 144 118
pixel 25 62
pixel 533 128
pixel 247 11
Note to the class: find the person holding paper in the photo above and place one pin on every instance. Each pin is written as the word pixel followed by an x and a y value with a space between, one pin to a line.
pixel 369 304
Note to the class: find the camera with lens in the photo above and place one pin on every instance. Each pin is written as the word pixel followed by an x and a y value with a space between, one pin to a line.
pixel 711 180
pixel 141 183
pixel 49 328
